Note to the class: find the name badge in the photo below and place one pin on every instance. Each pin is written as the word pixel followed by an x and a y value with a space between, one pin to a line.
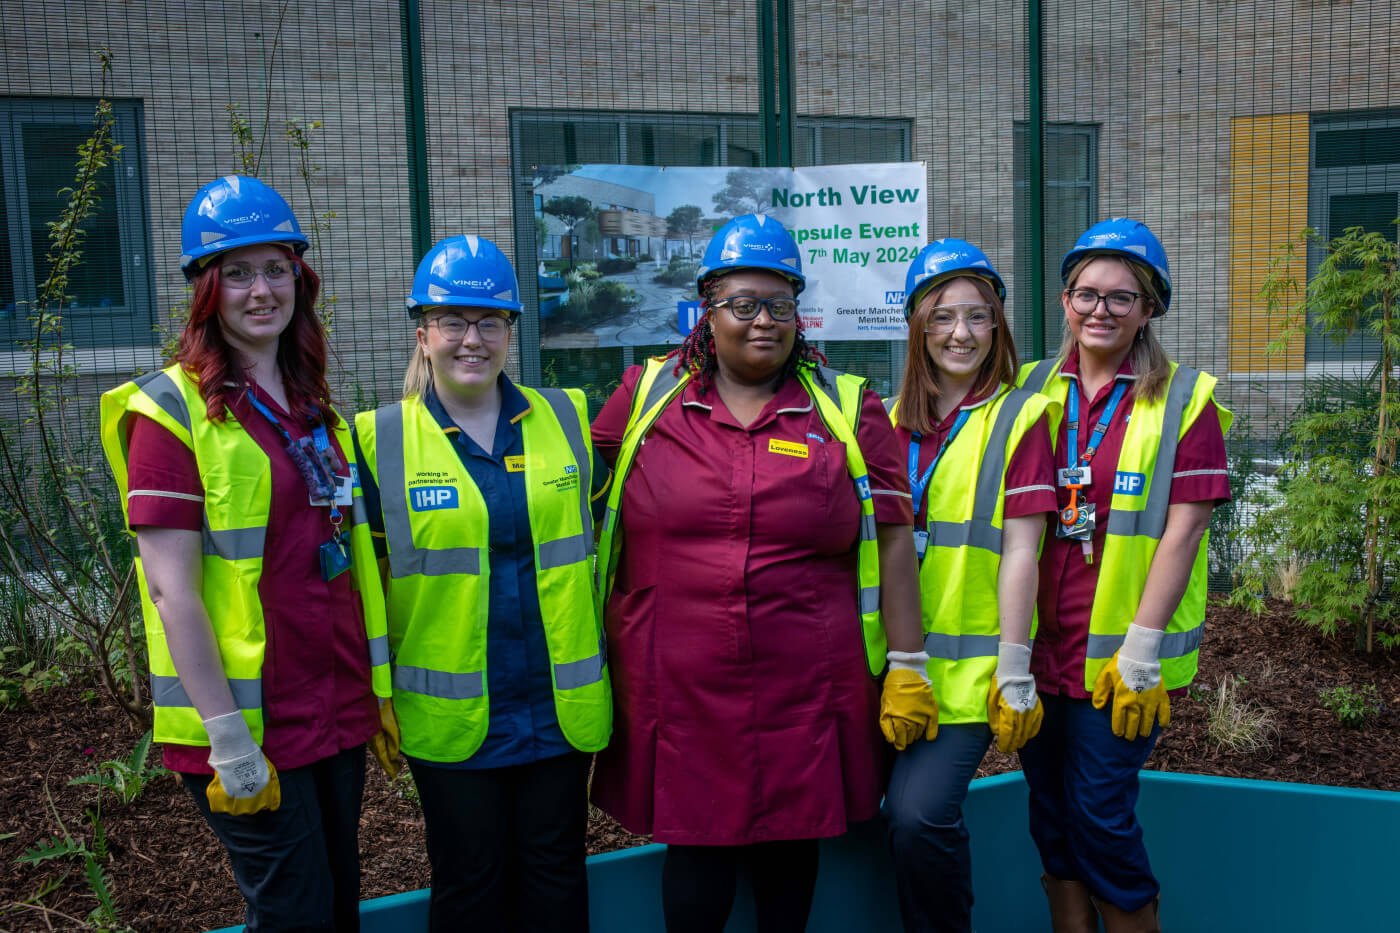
pixel 1081 522
pixel 515 463
pixel 920 543
pixel 787 448
pixel 1081 475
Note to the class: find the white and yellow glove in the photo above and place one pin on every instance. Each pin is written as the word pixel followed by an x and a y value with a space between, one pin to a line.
pixel 1133 679
pixel 1014 712
pixel 244 780
pixel 908 710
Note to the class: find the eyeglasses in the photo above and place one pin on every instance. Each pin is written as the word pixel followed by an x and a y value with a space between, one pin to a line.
pixel 746 308
pixel 242 275
pixel 1118 304
pixel 490 328
pixel 944 318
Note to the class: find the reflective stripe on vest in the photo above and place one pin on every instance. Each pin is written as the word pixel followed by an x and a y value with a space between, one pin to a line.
pixel 442 691
pixel 1133 533
pixel 169 692
pixel 837 404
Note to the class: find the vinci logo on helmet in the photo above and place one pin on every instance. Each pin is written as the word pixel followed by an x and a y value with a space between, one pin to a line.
pixel 1129 484
pixel 427 498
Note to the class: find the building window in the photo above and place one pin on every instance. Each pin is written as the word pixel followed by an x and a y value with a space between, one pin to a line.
pixel 1353 181
pixel 1071 207
pixel 566 139
pixel 111 290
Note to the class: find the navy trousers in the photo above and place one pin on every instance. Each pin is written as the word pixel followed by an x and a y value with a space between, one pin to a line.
pixel 298 867
pixel 1084 790
pixel 507 845
pixel 929 842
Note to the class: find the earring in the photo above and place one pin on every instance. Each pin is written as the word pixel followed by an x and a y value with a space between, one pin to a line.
pixel 1141 331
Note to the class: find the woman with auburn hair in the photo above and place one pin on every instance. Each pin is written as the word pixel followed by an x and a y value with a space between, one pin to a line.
pixel 1141 448
pixel 266 636
pixel 754 563
pixel 981 475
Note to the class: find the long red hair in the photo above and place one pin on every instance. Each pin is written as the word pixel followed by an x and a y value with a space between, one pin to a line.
pixel 301 351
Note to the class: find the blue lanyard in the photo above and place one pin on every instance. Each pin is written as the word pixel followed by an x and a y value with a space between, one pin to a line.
pixel 919 484
pixel 1100 429
pixel 319 437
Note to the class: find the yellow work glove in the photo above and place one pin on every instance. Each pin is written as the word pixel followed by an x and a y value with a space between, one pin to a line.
pixel 1014 712
pixel 244 780
pixel 1139 698
pixel 385 743
pixel 908 710
pixel 269 798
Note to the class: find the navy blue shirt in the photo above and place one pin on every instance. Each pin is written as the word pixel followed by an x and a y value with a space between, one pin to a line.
pixel 524 726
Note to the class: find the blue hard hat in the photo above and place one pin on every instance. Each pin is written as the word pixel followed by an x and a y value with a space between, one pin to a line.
pixel 942 260
pixel 753 241
pixel 465 272
pixel 1128 238
pixel 235 211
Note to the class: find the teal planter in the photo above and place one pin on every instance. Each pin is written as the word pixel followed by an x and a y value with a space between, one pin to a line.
pixel 1231 855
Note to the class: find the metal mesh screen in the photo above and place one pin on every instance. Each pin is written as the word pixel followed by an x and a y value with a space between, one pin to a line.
pixel 1226 128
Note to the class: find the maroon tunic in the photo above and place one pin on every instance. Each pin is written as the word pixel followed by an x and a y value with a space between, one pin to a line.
pixel 744 709
pixel 1067 581
pixel 317 698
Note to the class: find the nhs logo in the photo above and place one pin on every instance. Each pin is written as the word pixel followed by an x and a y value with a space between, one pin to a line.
pixel 863 487
pixel 687 316
pixel 427 498
pixel 570 468
pixel 1129 484
pixel 894 298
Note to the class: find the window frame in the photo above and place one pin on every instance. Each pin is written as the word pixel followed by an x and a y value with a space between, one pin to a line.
pixel 1359 351
pixel 130 324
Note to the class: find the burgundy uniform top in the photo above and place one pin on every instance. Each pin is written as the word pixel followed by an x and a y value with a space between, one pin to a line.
pixel 1030 471
pixel 317 698
pixel 744 710
pixel 1067 581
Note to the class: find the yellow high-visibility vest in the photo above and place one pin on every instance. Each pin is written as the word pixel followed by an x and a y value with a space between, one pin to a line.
pixel 958 578
pixel 236 474
pixel 437 535
pixel 1138 515
pixel 838 405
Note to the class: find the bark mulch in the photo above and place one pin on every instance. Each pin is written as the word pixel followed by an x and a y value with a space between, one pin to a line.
pixel 169 873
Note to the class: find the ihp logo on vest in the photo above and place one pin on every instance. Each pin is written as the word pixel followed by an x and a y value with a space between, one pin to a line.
pixel 427 498
pixel 1129 484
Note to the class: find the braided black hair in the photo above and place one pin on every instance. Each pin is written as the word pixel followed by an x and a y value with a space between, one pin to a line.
pixel 696 354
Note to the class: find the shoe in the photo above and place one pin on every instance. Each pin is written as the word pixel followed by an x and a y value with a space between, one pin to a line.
pixel 1071 908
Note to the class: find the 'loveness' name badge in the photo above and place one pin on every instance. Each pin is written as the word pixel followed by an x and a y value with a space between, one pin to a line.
pixel 787 448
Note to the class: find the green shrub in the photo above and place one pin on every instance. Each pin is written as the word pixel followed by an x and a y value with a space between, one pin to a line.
pixel 1353 708
pixel 614 266
pixel 678 273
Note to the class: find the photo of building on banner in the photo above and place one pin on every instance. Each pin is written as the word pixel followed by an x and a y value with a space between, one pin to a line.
pixel 619 246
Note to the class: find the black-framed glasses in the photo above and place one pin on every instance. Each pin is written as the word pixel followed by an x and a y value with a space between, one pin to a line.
pixel 746 307
pixel 490 328
pixel 1117 303
pixel 943 319
pixel 242 275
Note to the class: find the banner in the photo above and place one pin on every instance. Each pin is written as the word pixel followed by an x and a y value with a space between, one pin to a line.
pixel 619 246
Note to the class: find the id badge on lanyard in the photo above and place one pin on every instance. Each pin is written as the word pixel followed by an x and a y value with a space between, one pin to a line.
pixel 1077 520
pixel 319 466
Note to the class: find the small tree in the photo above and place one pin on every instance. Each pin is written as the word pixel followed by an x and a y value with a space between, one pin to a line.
pixel 573 209
pixel 60 529
pixel 1338 515
pixel 685 222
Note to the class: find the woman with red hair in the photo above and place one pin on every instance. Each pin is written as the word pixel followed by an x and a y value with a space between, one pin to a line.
pixel 267 640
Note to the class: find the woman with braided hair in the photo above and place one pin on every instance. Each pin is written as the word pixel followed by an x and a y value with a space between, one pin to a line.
pixel 755 561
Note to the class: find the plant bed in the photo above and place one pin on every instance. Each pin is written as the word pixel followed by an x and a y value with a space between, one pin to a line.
pixel 168 872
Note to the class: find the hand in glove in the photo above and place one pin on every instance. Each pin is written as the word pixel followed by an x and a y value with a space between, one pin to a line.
pixel 244 780
pixel 1133 678
pixel 908 710
pixel 1014 712
pixel 384 744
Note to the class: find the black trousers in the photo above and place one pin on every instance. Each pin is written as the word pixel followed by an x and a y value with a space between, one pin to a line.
pixel 698 885
pixel 507 845
pixel 298 866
